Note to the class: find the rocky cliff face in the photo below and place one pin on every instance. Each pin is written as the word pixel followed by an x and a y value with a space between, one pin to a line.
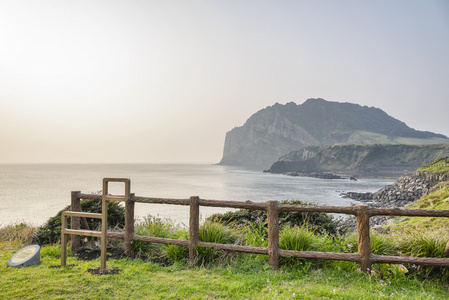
pixel 279 129
pixel 432 177
pixel 360 159
pixel 264 138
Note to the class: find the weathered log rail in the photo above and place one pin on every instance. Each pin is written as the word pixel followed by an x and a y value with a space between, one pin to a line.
pixel 441 162
pixel 362 213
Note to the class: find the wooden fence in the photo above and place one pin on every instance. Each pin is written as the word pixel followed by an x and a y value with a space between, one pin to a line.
pixel 362 213
pixel 442 162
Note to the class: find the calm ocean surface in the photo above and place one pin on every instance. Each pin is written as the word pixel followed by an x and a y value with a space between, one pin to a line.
pixel 33 193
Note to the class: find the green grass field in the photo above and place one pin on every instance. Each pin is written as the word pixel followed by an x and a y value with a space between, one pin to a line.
pixel 248 277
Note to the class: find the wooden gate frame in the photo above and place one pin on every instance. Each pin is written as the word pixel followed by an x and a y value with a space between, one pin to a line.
pixel 362 212
pixel 103 234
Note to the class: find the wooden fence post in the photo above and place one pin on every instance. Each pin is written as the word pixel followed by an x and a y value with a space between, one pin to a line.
pixel 273 233
pixel 63 241
pixel 194 227
pixel 75 221
pixel 129 225
pixel 363 237
pixel 104 225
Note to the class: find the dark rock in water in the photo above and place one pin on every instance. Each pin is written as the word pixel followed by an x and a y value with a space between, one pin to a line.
pixel 352 178
pixel 358 196
pixel 324 176
pixel 315 175
pixel 292 174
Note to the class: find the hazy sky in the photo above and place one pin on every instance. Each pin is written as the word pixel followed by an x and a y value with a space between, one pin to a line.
pixel 163 81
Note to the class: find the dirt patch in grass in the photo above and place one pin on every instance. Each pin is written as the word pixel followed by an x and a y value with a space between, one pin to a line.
pixel 98 271
pixel 91 254
pixel 118 253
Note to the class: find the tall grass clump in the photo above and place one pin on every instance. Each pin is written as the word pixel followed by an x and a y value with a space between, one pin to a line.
pixel 164 228
pixel 254 231
pixel 421 243
pixel 17 234
pixel 213 232
pixel 381 244
pixel 424 244
pixel 301 238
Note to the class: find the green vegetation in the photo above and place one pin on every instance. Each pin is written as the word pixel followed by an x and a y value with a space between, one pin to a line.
pixel 302 238
pixel 440 165
pixel 240 276
pixel 152 226
pixel 215 233
pixel 50 233
pixel 258 218
pixel 381 244
pixel 439 199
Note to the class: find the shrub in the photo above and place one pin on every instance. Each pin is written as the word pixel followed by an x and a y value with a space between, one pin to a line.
pixel 320 222
pixel 50 232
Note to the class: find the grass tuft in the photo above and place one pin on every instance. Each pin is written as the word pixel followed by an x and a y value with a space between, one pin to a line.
pixel 20 233
pixel 213 232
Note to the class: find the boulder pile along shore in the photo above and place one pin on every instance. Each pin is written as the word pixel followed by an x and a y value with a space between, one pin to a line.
pixel 399 194
pixel 404 191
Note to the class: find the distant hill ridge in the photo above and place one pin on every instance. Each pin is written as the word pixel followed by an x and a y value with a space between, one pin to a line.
pixel 276 130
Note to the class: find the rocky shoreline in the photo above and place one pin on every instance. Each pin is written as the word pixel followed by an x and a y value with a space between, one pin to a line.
pixel 399 194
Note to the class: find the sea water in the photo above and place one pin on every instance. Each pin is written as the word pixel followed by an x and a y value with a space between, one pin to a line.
pixel 33 193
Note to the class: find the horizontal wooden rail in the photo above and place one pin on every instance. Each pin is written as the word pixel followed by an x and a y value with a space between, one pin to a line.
pixel 89 196
pixel 355 257
pixel 161 200
pixel 115 198
pixel 82 232
pixel 427 261
pixel 81 214
pixel 237 248
pixel 152 239
pixel 234 204
pixel 350 210
pixel 408 212
pixel 362 212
